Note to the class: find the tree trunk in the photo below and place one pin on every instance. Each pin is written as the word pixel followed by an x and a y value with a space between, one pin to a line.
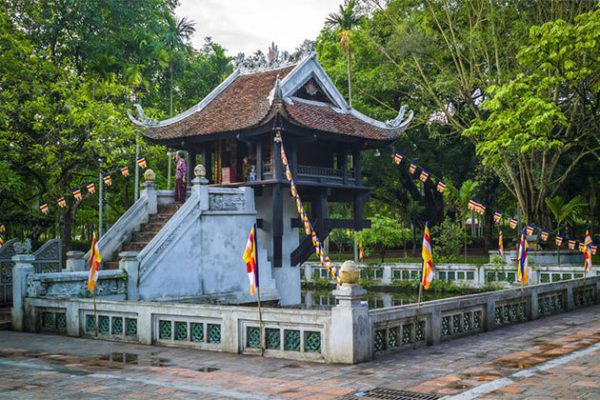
pixel 66 230
pixel 349 76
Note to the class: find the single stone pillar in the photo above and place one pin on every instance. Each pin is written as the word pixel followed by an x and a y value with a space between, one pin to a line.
pixel 350 336
pixel 570 299
pixel 149 191
pixel 308 272
pixel 23 267
pixel 533 304
pixel 434 334
pixel 481 276
pixel 75 261
pixel 490 314
pixel 387 275
pixel 130 264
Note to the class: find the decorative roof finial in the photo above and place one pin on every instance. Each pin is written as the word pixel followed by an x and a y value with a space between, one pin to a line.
pixel 277 91
pixel 399 121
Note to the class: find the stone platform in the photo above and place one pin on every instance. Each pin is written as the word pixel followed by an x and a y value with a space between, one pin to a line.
pixel 556 357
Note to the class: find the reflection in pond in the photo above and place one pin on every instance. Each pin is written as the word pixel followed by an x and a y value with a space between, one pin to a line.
pixel 323 299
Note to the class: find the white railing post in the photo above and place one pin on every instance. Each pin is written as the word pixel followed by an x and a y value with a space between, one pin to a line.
pixel 23 267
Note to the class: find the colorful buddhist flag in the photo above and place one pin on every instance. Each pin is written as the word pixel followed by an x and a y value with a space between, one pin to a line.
pixel 559 240
pixel 427 273
pixel 513 223
pixel 572 244
pixel 2 228
pixel 424 175
pixel 398 158
pixel 251 259
pixel 587 252
pixel 95 260
pixel 288 173
pixel 441 186
pixel 544 235
pixel 141 161
pixel 593 249
pixel 125 171
pixel 62 203
pixel 523 268
pixel 497 217
pixel 307 228
pixel 500 244
pixel 77 194
pixel 530 229
pixel 107 180
pixel 1 242
pixel 284 159
pixel 44 208
pixel 91 187
pixel 293 190
pixel 472 205
pixel 480 209
pixel 361 252
pixel 581 247
pixel 412 168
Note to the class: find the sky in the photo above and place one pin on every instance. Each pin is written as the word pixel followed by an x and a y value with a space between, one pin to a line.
pixel 249 25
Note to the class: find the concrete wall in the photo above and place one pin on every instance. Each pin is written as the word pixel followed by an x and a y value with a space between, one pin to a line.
pixel 198 253
pixel 288 276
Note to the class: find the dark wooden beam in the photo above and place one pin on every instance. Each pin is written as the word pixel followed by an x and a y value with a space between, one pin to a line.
pixel 277 227
pixel 191 166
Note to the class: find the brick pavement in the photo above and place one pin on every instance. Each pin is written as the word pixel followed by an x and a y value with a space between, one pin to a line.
pixel 36 366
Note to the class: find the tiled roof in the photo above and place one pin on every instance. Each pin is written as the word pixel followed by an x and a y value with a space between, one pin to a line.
pixel 242 104
pixel 324 118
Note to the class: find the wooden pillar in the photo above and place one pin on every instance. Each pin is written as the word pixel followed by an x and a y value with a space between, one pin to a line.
pixel 191 166
pixel 277 164
pixel 294 158
pixel 321 210
pixel 277 230
pixel 356 164
pixel 259 161
pixel 343 155
pixel 359 201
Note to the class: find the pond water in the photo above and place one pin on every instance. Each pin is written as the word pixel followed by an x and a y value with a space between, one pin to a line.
pixel 324 300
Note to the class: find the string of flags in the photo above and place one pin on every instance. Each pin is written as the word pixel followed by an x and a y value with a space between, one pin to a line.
pixel 499 217
pixel 90 187
pixel 308 228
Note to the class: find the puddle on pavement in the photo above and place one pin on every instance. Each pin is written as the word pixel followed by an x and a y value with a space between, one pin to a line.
pixel 135 359
pixel 207 369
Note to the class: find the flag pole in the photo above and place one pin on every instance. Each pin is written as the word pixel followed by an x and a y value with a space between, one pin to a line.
pixel 95 315
pixel 418 309
pixel 260 324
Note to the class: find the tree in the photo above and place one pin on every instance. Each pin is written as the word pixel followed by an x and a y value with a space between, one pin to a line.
pixel 565 213
pixel 543 124
pixel 385 233
pixel 448 239
pixel 345 21
pixel 180 30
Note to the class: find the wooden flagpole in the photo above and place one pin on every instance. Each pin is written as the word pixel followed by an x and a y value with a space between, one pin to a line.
pixel 418 308
pixel 95 315
pixel 260 323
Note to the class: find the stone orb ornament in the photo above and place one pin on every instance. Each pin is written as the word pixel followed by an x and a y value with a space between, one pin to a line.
pixel 349 273
pixel 149 175
pixel 199 171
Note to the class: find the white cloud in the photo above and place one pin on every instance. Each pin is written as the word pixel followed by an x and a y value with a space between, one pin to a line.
pixel 249 25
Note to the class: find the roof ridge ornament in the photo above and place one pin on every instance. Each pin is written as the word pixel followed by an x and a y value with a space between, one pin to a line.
pixel 141 118
pixel 399 121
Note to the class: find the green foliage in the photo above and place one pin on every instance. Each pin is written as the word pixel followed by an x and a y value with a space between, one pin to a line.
pixel 565 213
pixel 448 239
pixel 385 233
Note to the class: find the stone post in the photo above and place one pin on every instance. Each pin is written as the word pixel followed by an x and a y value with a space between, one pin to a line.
pixel 200 186
pixel 350 335
pixel 387 275
pixel 149 191
pixel 481 276
pixel 23 267
pixel 75 261
pixel 130 264
pixel 533 304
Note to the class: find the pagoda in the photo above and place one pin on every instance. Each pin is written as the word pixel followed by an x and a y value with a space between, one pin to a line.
pixel 232 130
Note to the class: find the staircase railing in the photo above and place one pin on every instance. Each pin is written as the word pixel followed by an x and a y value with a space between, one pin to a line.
pixel 122 230
pixel 186 215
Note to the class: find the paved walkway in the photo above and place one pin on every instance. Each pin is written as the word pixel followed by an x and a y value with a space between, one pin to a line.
pixel 556 357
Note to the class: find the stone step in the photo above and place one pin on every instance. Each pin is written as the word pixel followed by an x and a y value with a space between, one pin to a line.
pixel 154 227
pixel 133 246
pixel 144 236
pixel 110 265
pixel 168 208
pixel 160 218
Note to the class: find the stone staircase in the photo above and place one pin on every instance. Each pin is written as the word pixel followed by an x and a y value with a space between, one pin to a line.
pixel 144 236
